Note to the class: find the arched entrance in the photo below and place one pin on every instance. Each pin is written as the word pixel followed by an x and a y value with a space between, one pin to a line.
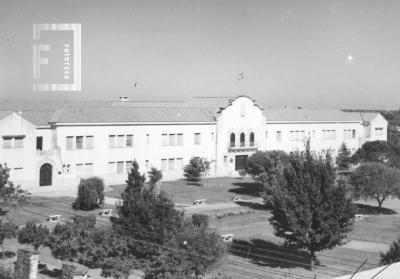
pixel 46 174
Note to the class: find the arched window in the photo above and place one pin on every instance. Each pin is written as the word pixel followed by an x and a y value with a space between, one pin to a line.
pixel 242 139
pixel 251 139
pixel 232 138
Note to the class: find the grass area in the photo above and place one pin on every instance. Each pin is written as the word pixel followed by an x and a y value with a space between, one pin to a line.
pixel 218 189
pixel 38 208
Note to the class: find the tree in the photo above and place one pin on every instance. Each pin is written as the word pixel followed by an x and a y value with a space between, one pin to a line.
pixel 375 181
pixel 10 194
pixel 196 168
pixel 266 167
pixel 90 194
pixel 343 159
pixel 393 255
pixel 155 175
pixel 35 235
pixel 93 248
pixel 155 232
pixel 378 151
pixel 310 209
pixel 7 230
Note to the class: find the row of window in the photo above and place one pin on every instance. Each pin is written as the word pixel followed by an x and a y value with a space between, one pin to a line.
pixel 79 142
pixel 13 141
pixel 299 135
pixel 171 164
pixel 242 139
pixel 120 141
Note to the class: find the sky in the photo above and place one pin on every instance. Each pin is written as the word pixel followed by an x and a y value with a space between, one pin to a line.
pixel 316 54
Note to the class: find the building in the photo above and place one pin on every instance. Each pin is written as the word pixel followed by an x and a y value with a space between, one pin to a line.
pixel 54 148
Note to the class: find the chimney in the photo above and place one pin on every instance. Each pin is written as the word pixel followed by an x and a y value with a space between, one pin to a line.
pixel 26 266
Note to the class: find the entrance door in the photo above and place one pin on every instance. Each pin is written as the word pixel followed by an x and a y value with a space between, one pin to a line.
pixel 46 172
pixel 241 162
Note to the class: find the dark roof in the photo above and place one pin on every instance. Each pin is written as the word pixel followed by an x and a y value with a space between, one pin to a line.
pixel 108 114
pixel 309 115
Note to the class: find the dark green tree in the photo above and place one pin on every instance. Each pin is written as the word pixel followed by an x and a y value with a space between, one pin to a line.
pixel 378 151
pixel 33 234
pixel 343 159
pixel 155 175
pixel 375 181
pixel 196 168
pixel 9 193
pixel 310 209
pixel 266 167
pixel 7 230
pixel 90 194
pixel 393 255
pixel 155 231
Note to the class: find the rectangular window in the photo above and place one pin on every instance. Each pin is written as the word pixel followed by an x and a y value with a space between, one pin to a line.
pixel 19 142
pixel 171 140
pixel 111 167
pixel 66 168
pixel 212 136
pixel 147 164
pixel 147 138
pixel 70 143
pixel 39 143
pixel 179 139
pixel 378 131
pixel 171 164
pixel 266 134
pixel 279 136
pixel 179 163
pixel 89 142
pixel 163 164
pixel 79 142
pixel 164 139
pixel 328 134
pixel 129 140
pixel 353 134
pixel 121 141
pixel 89 168
pixel 128 166
pixel 120 167
pixel 225 161
pixel 79 169
pixel 111 141
pixel 197 138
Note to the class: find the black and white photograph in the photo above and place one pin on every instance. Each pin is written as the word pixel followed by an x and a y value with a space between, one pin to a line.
pixel 199 139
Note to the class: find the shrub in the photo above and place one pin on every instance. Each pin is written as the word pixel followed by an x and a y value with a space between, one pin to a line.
pixel 33 234
pixel 200 220
pixel 393 255
pixel 196 168
pixel 85 222
pixel 90 194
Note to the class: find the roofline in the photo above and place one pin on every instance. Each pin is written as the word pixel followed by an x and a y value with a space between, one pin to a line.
pixel 133 123
pixel 237 97
pixel 311 121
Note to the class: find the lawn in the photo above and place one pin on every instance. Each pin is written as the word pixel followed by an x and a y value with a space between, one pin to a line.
pixel 256 250
pixel 215 190
pixel 38 208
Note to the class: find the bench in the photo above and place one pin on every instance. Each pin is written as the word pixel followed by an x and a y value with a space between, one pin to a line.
pixel 199 202
pixel 227 237
pixel 54 218
pixel 236 198
pixel 359 217
pixel 105 212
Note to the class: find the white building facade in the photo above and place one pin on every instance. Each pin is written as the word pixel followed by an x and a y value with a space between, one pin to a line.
pixel 53 149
